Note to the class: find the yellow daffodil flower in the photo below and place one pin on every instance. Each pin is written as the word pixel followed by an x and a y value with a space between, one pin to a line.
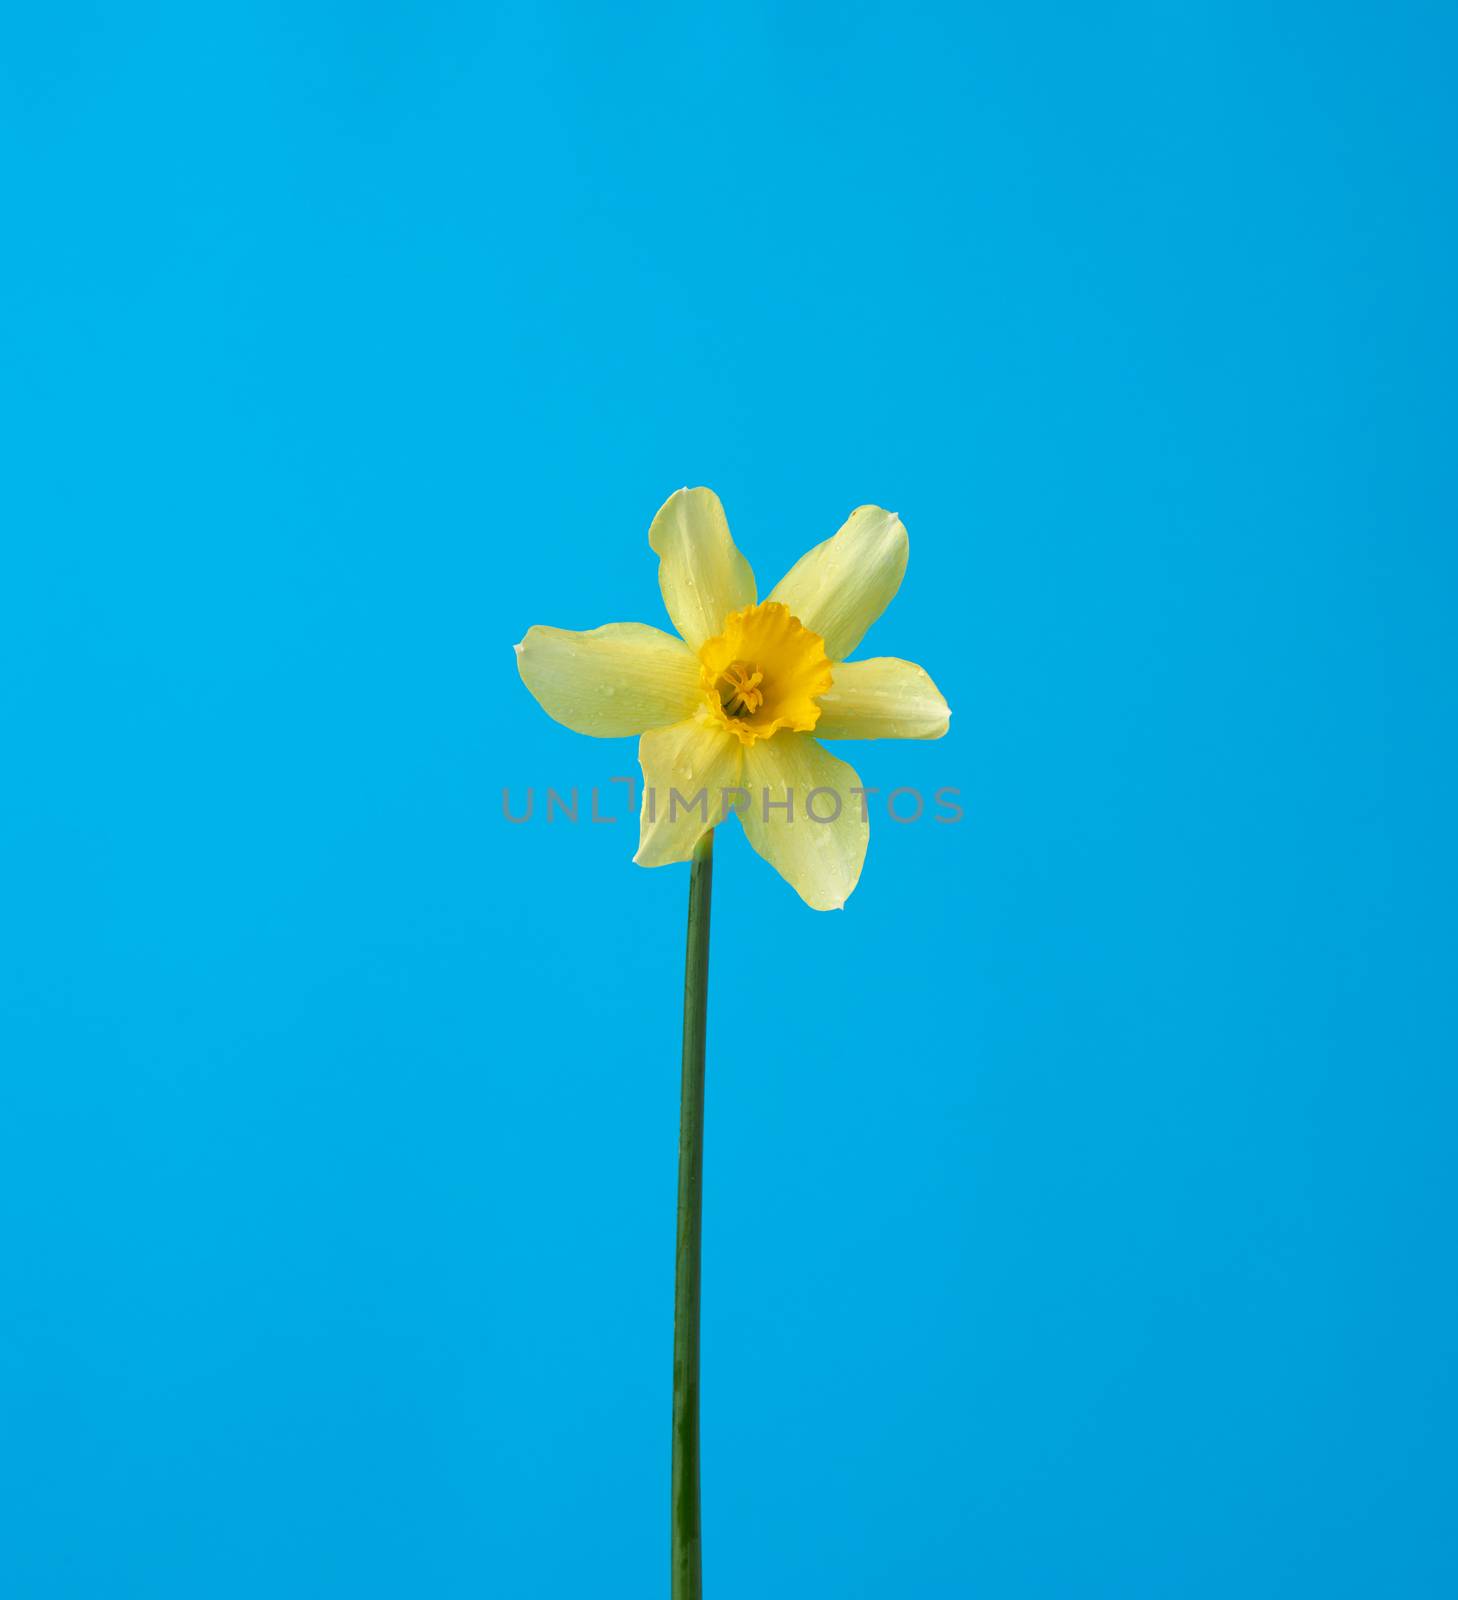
pixel 737 705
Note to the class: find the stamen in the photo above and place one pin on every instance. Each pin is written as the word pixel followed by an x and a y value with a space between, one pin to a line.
pixel 744 697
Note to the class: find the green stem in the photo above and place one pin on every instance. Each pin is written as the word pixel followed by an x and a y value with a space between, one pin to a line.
pixel 687 1543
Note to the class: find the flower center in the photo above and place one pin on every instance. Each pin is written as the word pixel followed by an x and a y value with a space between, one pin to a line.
pixel 740 693
pixel 763 673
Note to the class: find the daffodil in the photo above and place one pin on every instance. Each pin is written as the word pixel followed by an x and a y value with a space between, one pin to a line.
pixel 732 711
pixel 736 706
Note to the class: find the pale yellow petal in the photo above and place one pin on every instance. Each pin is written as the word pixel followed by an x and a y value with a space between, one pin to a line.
pixel 686 771
pixel 616 680
pixel 819 843
pixel 701 572
pixel 881 699
pixel 839 588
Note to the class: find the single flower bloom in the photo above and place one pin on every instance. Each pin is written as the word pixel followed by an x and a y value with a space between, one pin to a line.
pixel 737 705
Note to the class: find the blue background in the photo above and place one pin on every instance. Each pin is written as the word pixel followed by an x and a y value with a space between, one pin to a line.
pixel 1080 1201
